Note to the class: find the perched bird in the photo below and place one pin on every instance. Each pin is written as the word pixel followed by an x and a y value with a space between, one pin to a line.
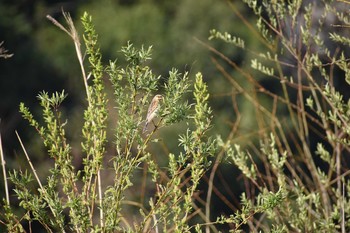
pixel 152 110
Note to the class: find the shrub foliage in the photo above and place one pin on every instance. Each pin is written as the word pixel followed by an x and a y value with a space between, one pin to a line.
pixel 296 177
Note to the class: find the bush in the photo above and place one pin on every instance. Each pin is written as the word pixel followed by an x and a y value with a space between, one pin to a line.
pixel 296 181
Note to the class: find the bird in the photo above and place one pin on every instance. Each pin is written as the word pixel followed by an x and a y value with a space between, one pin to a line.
pixel 152 110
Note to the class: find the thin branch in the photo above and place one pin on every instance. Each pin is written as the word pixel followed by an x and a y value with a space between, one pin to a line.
pixel 343 209
pixel 3 163
pixel 30 162
pixel 100 197
pixel 213 172
pixel 155 223
pixel 35 174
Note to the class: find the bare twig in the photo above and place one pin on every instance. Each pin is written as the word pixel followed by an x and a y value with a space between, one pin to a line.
pixel 30 162
pixel 155 223
pixel 4 172
pixel 213 172
pixel 35 174
pixel 100 197
pixel 343 209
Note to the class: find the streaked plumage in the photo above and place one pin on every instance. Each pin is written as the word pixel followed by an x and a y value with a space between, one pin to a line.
pixel 152 110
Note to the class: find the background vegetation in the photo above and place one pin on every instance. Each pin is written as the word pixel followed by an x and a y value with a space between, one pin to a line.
pixel 261 144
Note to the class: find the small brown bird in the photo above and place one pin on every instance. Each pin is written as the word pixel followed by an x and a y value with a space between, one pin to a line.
pixel 152 110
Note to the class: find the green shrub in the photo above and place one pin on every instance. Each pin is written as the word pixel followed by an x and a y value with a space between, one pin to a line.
pixel 292 184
